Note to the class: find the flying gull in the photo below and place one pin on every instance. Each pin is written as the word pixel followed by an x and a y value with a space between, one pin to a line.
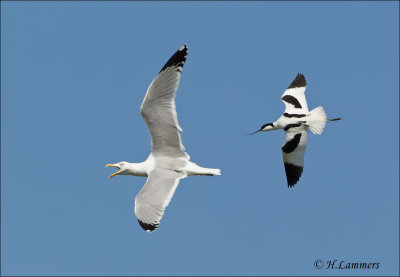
pixel 296 121
pixel 168 162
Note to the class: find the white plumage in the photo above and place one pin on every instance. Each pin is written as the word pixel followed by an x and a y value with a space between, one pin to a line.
pixel 296 120
pixel 168 162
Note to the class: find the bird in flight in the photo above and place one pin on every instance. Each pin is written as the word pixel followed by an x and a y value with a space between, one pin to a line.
pixel 168 162
pixel 296 121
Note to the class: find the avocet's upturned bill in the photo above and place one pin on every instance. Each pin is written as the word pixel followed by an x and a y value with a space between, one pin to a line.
pixel 168 162
pixel 296 121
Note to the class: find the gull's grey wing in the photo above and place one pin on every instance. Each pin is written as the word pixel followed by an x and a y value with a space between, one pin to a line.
pixel 158 108
pixel 155 196
pixel 294 97
pixel 293 151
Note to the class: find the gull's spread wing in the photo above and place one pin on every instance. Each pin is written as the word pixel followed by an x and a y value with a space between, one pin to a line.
pixel 294 97
pixel 154 197
pixel 293 152
pixel 158 108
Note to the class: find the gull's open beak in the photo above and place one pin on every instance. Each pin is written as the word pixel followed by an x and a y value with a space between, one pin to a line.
pixel 113 165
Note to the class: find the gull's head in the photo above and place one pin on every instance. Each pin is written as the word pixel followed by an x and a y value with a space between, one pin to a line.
pixel 122 167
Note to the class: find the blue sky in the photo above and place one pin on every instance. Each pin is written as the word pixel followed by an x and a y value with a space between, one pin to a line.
pixel 73 78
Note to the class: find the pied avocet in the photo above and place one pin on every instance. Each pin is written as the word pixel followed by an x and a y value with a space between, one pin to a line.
pixel 296 121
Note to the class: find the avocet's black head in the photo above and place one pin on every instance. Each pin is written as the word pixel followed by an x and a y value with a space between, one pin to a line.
pixel 265 127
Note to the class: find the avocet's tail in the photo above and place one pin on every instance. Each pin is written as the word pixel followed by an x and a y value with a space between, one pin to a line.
pixel 317 120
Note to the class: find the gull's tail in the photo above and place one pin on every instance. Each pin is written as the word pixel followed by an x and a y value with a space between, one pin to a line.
pixel 208 171
pixel 215 171
pixel 194 169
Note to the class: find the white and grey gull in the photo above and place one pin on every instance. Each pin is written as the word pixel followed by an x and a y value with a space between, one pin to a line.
pixel 168 162
pixel 296 121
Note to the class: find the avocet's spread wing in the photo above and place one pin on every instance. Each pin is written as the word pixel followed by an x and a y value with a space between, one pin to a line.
pixel 158 108
pixel 293 151
pixel 154 197
pixel 294 97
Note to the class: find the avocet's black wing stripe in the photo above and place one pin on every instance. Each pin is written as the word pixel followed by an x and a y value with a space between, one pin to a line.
pixel 294 115
pixel 293 151
pixel 294 125
pixel 292 144
pixel 292 100
pixel 294 97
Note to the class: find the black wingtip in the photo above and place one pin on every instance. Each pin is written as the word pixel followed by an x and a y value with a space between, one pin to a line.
pixel 299 81
pixel 334 119
pixel 148 227
pixel 178 58
pixel 293 173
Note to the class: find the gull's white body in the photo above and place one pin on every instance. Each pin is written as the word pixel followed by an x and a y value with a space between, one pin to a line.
pixel 296 121
pixel 168 162
pixel 178 165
